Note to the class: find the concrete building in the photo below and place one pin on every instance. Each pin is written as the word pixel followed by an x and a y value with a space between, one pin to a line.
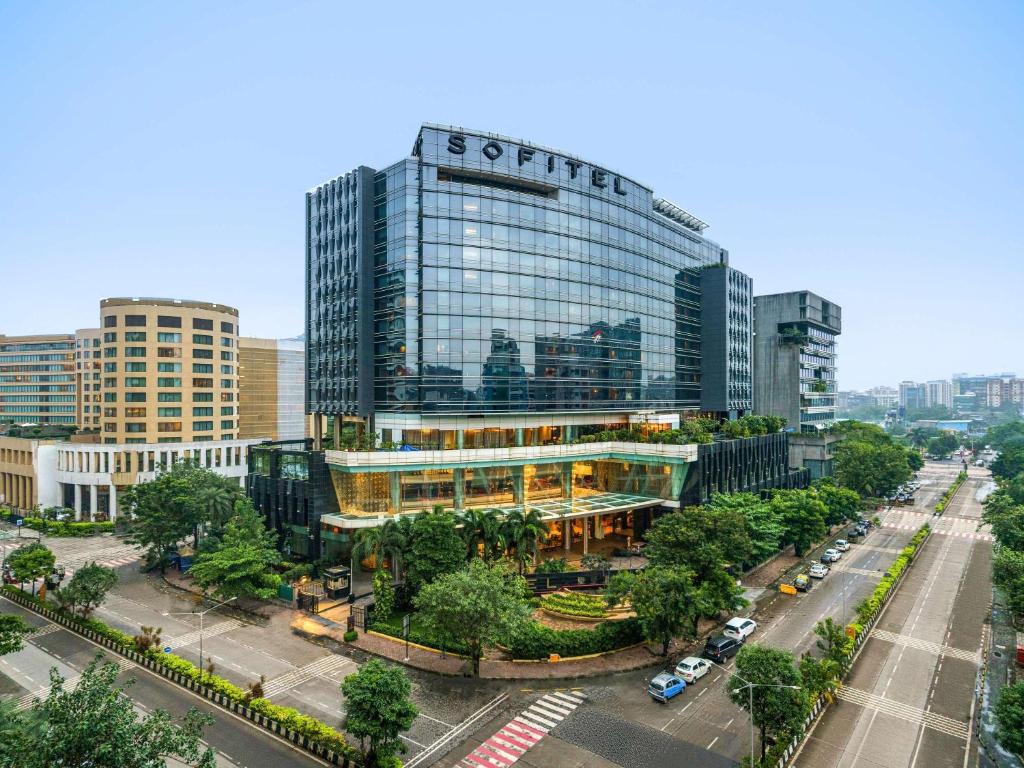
pixel 726 341
pixel 886 397
pixel 1000 391
pixel 170 371
pixel 27 472
pixel 913 396
pixel 795 358
pixel 37 379
pixel 271 382
pixel 939 393
pixel 88 378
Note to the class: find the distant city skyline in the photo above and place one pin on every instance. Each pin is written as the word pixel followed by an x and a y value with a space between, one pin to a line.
pixel 160 151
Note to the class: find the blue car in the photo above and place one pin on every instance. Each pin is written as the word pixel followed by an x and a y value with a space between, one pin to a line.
pixel 664 686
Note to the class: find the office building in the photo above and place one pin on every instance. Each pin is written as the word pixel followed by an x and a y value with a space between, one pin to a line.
pixel 727 341
pixel 170 371
pixel 271 381
pixel 939 393
pixel 491 306
pixel 37 380
pixel 886 397
pixel 795 358
pixel 88 376
pixel 913 396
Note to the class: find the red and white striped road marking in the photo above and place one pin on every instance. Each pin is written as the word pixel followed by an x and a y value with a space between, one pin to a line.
pixel 523 731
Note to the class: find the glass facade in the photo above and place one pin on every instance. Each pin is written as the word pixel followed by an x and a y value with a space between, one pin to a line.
pixel 501 277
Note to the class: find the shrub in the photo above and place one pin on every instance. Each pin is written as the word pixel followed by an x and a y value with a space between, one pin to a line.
pixel 392 626
pixel 575 604
pixel 869 607
pixel 535 641
pixel 351 635
pixel 554 565
pixel 64 528
pixel 940 507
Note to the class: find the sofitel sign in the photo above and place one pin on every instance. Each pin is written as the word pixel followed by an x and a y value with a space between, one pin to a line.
pixel 492 150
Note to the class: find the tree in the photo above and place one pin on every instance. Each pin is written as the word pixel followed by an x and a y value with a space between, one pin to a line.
pixel 943 444
pixel 666 603
pixel 481 529
pixel 841 503
pixel 1003 436
pixel 1009 712
pixel 776 710
pixel 1009 463
pixel 802 516
pixel 95 724
pixel 520 533
pixel 479 606
pixel 166 509
pixel 1006 518
pixel 914 460
pixel 383 594
pixel 871 467
pixel 240 563
pixel 819 676
pixel 30 562
pixel 87 589
pixel 764 531
pixel 1008 575
pixel 391 540
pixel 437 549
pixel 833 640
pixel 12 633
pixel 378 709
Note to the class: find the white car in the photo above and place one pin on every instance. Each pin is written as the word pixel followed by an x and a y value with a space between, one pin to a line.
pixel 831 555
pixel 691 669
pixel 739 628
pixel 818 571
pixel 842 545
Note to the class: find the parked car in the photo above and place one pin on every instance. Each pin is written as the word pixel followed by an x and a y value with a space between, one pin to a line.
pixel 691 669
pixel 854 533
pixel 818 571
pixel 720 648
pixel 665 686
pixel 830 556
pixel 842 545
pixel 739 628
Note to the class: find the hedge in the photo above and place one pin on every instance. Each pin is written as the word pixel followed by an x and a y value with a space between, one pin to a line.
pixel 392 626
pixel 948 495
pixel 870 606
pixel 575 604
pixel 535 641
pixel 288 717
pixel 67 528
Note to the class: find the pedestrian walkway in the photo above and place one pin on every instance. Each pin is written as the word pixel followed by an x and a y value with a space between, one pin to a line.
pixel 906 712
pixel 523 731
pixel 207 632
pixel 319 668
pixel 925 645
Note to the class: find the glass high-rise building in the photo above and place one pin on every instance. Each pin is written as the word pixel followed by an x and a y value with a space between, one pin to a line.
pixel 485 274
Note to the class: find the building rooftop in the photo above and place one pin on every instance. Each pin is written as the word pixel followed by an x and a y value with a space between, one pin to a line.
pixel 123 301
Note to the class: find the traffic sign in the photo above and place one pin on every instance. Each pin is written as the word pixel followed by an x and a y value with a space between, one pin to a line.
pixel 167 649
pixel 19 522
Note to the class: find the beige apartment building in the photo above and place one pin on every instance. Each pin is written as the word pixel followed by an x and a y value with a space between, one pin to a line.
pixel 271 383
pixel 87 377
pixel 170 371
pixel 27 472
pixel 37 379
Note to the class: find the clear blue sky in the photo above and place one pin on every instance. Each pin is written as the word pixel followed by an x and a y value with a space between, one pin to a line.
pixel 870 152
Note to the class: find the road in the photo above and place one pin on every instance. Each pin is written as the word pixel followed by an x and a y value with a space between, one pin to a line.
pixel 237 742
pixel 619 725
pixel 908 702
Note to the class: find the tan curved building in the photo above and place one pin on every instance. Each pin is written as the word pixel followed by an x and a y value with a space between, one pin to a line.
pixel 169 371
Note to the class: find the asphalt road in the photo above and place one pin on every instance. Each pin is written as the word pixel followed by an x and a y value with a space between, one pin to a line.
pixel 236 741
pixel 909 700
pixel 620 725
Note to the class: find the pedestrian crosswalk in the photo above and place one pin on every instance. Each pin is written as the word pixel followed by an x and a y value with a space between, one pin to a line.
pixel 207 632
pixel 112 557
pixel 319 668
pixel 523 731
pixel 925 645
pixel 46 629
pixel 23 703
pixel 906 712
pixel 961 534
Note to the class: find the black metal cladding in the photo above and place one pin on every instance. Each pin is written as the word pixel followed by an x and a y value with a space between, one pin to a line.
pixel 748 465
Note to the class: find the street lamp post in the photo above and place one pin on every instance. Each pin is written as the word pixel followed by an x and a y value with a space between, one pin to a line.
pixel 750 687
pixel 201 615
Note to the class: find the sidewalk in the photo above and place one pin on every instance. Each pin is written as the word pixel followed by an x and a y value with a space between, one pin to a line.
pixel 490 669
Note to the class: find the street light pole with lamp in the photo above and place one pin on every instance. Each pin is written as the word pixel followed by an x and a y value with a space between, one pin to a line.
pixel 201 615
pixel 750 687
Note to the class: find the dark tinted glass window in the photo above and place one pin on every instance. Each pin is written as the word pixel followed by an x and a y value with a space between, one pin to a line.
pixel 202 325
pixel 135 320
pixel 168 321
pixel 110 321
pixel 227 327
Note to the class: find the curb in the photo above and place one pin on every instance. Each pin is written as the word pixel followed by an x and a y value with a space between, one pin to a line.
pixel 272 726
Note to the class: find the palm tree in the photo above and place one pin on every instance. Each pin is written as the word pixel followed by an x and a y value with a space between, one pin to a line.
pixel 216 502
pixel 521 533
pixel 481 527
pixel 390 540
